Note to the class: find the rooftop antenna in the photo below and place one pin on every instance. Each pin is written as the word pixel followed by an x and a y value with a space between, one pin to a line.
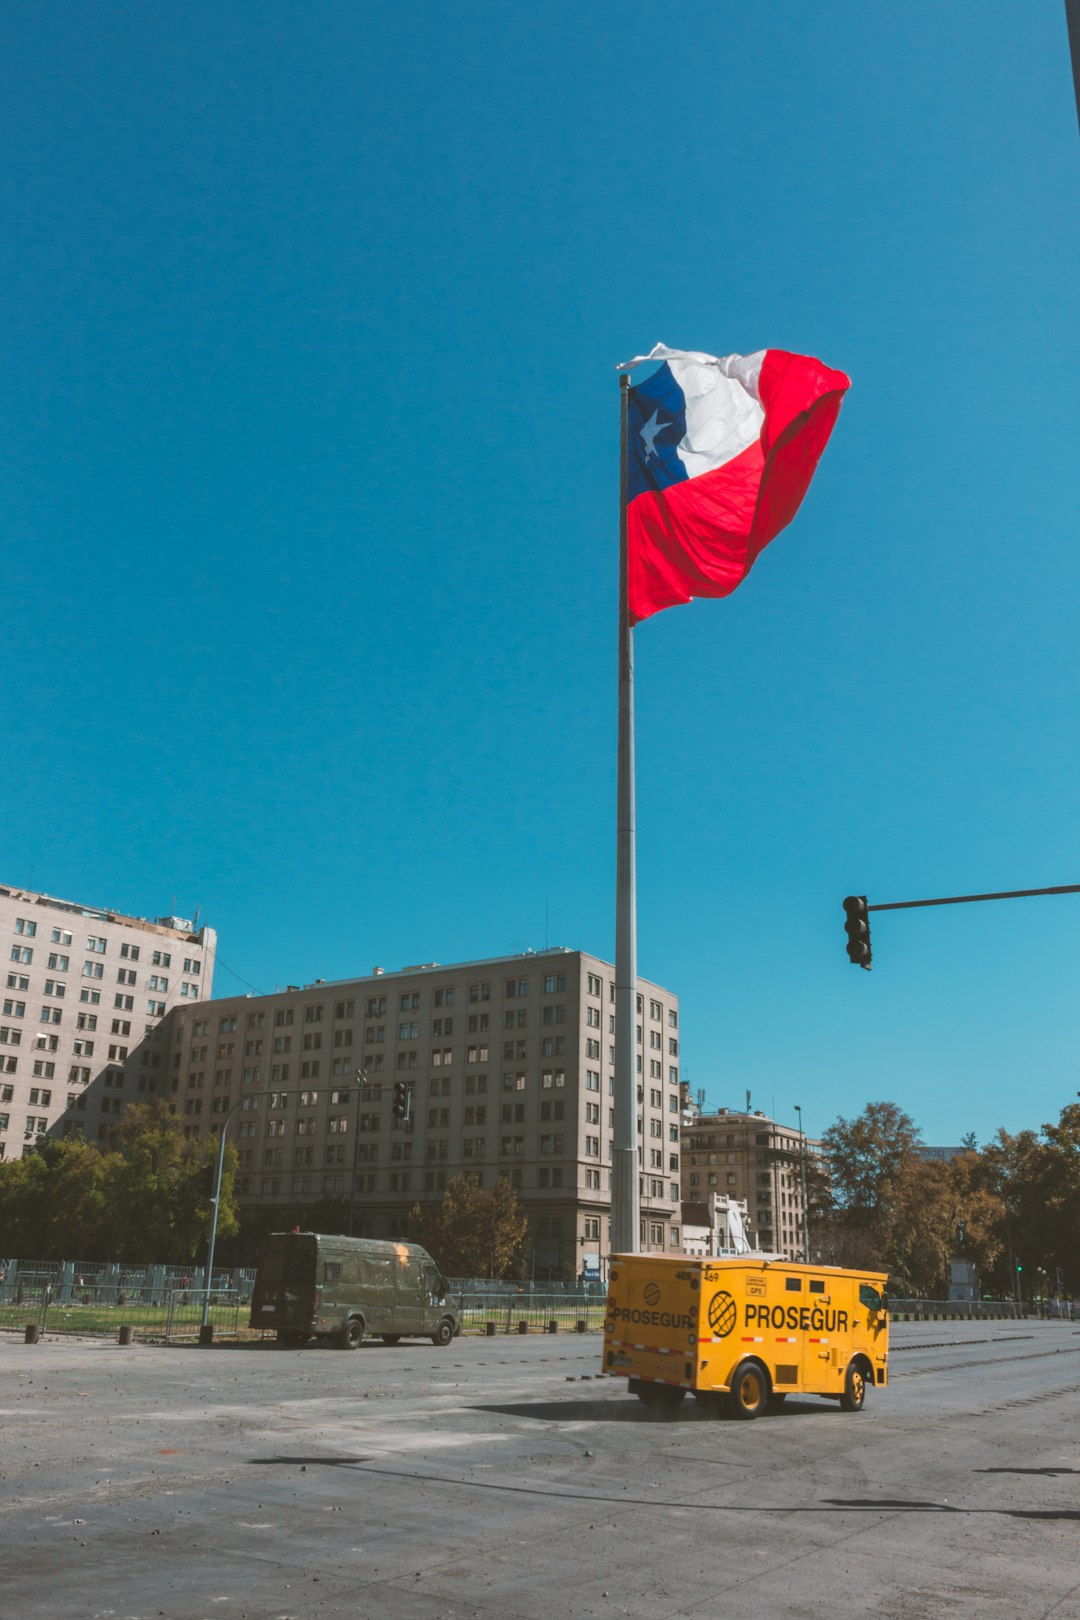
pixel 547 899
pixel 748 1099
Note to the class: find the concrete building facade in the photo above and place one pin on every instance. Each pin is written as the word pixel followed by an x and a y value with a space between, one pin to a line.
pixel 86 989
pixel 510 1068
pixel 748 1156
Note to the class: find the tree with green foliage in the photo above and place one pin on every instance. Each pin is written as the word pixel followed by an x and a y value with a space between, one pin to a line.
pixel 160 1188
pixel 1036 1175
pixel 143 1198
pixel 472 1231
pixel 55 1197
pixel 894 1211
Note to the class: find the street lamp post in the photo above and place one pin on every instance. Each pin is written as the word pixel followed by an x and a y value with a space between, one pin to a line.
pixel 802 1179
pixel 215 1202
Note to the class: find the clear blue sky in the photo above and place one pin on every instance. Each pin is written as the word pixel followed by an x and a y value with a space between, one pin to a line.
pixel 309 550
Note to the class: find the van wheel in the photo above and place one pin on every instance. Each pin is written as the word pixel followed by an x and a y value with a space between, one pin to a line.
pixel 854 1397
pixel 351 1334
pixel 443 1334
pixel 390 1338
pixel 749 1390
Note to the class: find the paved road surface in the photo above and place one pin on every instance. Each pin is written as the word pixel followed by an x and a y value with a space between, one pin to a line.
pixel 502 1478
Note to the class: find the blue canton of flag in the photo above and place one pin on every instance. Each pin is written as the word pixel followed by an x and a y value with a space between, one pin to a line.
pixel 656 427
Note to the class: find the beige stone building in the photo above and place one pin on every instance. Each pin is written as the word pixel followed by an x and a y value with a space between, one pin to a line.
pixel 84 987
pixel 748 1156
pixel 510 1068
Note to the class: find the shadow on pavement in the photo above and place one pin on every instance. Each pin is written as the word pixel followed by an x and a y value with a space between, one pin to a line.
pixel 630 1410
pixel 829 1504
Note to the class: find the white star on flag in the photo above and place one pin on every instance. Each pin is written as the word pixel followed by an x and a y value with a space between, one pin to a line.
pixel 649 433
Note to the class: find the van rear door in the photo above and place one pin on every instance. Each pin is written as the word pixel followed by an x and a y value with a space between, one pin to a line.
pixel 284 1285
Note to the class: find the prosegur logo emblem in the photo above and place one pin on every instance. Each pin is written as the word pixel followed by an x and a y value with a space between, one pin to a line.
pixel 722 1314
pixel 652 1294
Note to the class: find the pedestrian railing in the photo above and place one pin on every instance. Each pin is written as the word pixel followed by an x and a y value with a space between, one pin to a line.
pixel 494 1313
pixel 170 1320
pixel 954 1310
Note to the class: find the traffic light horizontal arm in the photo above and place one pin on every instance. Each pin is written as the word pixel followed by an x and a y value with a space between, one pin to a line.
pixel 968 899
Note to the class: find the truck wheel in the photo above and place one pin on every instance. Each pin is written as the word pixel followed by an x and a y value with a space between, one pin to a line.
pixel 351 1334
pixel 749 1390
pixel 443 1334
pixel 854 1397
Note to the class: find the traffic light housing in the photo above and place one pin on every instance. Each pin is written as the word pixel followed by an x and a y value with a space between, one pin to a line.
pixel 401 1100
pixel 857 928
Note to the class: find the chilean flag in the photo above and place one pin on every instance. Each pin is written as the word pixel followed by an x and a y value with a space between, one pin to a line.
pixel 721 451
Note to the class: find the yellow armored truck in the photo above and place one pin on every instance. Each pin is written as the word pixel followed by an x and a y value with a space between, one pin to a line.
pixel 744 1333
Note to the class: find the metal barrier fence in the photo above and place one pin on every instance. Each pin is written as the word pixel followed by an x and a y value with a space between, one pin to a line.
pixel 958 1310
pixel 533 1312
pixel 175 1317
pixel 171 1319
pixel 95 1282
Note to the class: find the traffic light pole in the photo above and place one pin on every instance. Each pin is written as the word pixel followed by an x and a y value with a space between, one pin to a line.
pixel 970 899
pixel 857 909
pixel 215 1202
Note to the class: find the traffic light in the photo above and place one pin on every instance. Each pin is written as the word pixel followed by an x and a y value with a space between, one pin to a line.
pixel 1019 1265
pixel 857 928
pixel 210 1181
pixel 401 1100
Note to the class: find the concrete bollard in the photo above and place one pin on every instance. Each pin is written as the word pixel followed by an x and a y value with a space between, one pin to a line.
pixel 124 1336
pixel 523 1327
pixel 553 1326
pixel 206 1333
pixel 579 1326
pixel 33 1333
pixel 489 1329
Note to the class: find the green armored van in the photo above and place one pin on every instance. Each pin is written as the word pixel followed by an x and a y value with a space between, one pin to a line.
pixel 339 1288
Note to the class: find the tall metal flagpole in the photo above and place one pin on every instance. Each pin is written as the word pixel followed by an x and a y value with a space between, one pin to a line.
pixel 625 1191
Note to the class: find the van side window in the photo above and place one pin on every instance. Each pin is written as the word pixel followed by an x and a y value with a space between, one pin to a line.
pixel 331 1271
pixel 816 1285
pixel 793 1285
